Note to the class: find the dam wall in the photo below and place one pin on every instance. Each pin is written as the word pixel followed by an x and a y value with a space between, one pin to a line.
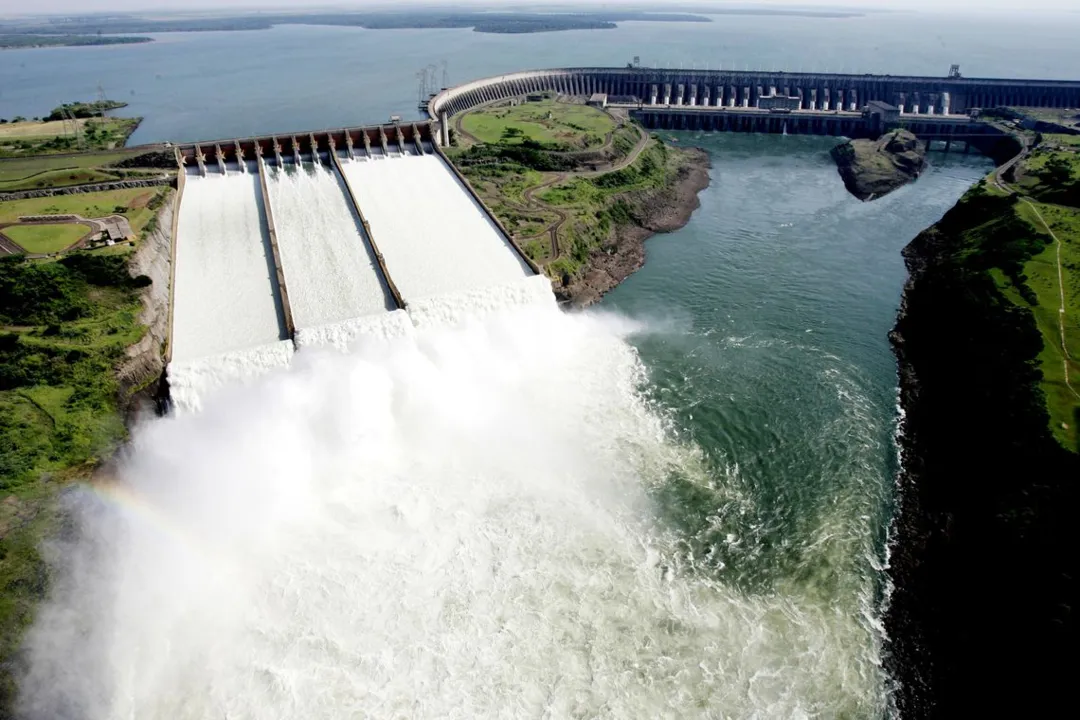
pixel 324 239
pixel 914 95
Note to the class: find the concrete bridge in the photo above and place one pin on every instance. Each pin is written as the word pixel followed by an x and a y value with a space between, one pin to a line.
pixel 914 95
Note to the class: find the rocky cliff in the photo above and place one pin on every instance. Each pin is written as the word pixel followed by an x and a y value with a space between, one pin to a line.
pixel 980 622
pixel 144 362
pixel 872 168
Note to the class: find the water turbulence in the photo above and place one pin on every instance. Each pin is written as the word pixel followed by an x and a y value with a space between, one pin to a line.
pixel 460 522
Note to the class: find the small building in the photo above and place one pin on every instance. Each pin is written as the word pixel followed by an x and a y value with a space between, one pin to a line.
pixel 889 113
pixel 882 116
pixel 597 100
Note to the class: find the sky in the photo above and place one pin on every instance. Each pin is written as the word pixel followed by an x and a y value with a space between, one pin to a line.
pixel 22 7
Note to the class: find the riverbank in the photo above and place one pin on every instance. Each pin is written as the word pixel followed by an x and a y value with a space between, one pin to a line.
pixel 982 557
pixel 578 188
pixel 649 212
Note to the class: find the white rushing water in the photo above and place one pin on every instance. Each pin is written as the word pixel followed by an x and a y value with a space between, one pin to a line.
pixel 329 271
pixel 453 523
pixel 436 240
pixel 224 295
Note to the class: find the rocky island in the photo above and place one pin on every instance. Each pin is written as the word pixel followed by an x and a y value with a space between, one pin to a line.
pixel 872 168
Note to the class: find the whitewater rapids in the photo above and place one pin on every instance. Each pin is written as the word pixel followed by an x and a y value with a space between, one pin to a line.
pixel 456 523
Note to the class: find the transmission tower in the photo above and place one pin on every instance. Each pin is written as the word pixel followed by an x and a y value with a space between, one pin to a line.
pixel 421 88
pixel 445 75
pixel 75 126
pixel 102 98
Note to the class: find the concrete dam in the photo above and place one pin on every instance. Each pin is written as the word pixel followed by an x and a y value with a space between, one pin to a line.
pixel 322 239
pixel 326 238
pixel 935 108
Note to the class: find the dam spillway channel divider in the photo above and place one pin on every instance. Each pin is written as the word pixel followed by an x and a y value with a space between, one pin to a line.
pixel 181 178
pixel 268 216
pixel 487 211
pixel 379 259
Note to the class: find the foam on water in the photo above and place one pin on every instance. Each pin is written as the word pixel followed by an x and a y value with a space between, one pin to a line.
pixel 455 523
pixel 329 270
pixel 192 381
pixel 225 293
pixel 345 335
pixel 448 310
pixel 435 238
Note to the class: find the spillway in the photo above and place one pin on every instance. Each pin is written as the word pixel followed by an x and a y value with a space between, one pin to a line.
pixel 225 294
pixel 434 236
pixel 330 270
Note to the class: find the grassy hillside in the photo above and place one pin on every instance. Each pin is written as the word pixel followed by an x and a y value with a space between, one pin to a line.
pixel 64 326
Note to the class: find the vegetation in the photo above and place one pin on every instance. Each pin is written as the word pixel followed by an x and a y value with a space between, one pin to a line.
pixel 134 204
pixel 560 207
pixel 42 239
pixel 26 139
pixel 991 448
pixel 35 173
pixel 553 125
pixel 34 41
pixel 97 108
pixel 63 328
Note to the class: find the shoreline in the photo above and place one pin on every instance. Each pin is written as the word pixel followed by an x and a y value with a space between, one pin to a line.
pixel 976 541
pixel 658 211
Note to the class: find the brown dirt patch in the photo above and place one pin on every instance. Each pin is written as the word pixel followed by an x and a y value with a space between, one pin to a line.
pixel 141 201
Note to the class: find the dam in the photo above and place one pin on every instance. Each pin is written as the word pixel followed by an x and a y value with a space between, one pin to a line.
pixel 325 238
pixel 322 239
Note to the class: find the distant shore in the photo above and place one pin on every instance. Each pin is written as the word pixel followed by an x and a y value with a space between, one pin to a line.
pixel 27 42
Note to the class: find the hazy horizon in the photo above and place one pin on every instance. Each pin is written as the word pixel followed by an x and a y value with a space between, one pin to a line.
pixel 11 8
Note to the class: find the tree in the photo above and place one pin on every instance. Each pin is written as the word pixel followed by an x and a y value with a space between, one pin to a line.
pixel 1057 171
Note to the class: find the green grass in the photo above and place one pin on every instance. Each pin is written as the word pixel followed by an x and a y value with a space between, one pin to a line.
pixel 59 178
pixel 90 205
pixel 1062 139
pixel 97 134
pixel 548 122
pixel 1042 277
pixel 14 170
pixel 46 238
pixel 64 326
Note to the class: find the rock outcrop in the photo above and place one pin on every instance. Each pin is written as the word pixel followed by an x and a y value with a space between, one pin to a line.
pixel 655 210
pixel 144 361
pixel 872 168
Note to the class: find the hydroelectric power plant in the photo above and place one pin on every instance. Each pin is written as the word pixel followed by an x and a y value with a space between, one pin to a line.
pixel 317 238
pixel 481 510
